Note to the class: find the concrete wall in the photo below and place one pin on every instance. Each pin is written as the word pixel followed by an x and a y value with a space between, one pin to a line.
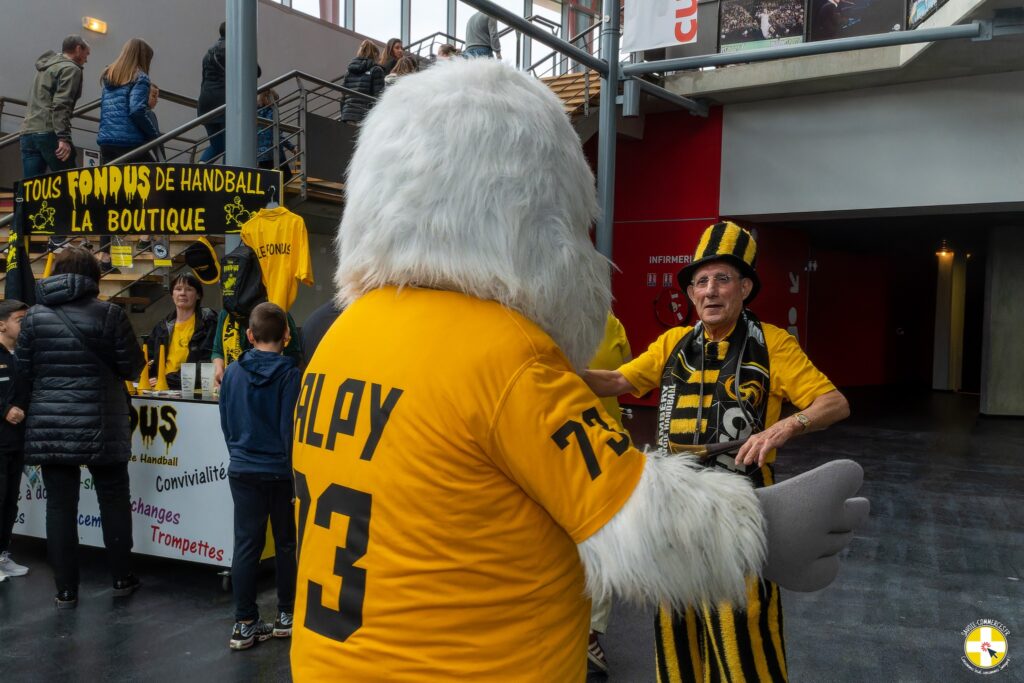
pixel 180 33
pixel 1002 355
pixel 949 143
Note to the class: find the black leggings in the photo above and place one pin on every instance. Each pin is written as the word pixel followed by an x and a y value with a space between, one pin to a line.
pixel 63 483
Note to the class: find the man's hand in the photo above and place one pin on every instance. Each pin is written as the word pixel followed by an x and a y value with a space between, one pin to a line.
pixel 64 150
pixel 218 371
pixel 759 445
pixel 15 415
pixel 824 411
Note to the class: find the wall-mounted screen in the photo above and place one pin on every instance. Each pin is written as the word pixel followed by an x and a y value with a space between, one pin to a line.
pixel 754 24
pixel 846 18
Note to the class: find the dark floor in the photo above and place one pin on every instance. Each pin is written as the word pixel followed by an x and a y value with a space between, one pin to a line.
pixel 943 548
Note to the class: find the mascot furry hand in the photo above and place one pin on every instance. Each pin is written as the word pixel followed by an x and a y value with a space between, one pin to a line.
pixel 459 487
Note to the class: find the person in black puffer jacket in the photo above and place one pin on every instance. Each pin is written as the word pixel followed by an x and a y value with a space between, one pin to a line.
pixel 78 414
pixel 365 76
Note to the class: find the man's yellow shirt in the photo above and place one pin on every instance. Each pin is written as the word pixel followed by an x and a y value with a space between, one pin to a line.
pixel 448 460
pixel 793 377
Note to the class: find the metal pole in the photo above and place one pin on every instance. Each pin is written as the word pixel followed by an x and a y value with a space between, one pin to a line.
pixel 972 30
pixel 406 22
pixel 527 56
pixel 240 121
pixel 540 35
pixel 350 15
pixel 606 131
pixel 693 106
pixel 452 19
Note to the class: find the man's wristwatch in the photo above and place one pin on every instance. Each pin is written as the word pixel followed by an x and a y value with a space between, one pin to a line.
pixel 804 421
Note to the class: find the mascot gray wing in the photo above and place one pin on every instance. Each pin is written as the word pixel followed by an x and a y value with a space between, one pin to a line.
pixel 810 519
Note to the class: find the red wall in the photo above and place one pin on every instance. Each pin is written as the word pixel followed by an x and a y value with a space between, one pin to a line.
pixel 667 189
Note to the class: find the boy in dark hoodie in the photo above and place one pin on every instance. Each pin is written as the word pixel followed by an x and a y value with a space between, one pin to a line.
pixel 14 394
pixel 257 399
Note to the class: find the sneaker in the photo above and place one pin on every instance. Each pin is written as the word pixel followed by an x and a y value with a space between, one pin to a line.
pixel 283 625
pixel 596 660
pixel 244 635
pixel 126 586
pixel 66 599
pixel 9 567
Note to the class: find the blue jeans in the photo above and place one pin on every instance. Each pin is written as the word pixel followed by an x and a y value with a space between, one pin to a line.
pixel 39 154
pixel 257 500
pixel 478 51
pixel 216 133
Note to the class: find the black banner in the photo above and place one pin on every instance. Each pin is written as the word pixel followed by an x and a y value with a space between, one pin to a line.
pixel 847 18
pixel 138 199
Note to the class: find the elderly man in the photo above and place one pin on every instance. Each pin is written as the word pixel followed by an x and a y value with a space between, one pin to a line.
pixel 726 379
pixel 46 130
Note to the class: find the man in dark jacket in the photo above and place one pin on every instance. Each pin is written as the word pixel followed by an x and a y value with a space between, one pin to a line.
pixel 78 351
pixel 13 403
pixel 364 76
pixel 257 399
pixel 46 130
pixel 212 95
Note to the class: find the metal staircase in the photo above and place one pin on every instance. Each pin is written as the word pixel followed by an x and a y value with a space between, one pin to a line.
pixel 306 102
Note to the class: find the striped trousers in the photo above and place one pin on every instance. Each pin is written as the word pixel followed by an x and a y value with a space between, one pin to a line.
pixel 722 644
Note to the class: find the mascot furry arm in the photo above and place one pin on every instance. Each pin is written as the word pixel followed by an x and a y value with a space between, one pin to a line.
pixel 469 197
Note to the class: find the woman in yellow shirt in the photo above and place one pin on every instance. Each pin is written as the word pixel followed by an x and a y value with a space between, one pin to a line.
pixel 186 333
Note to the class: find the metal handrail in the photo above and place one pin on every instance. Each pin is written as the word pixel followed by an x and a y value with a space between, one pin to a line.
pixel 293 131
pixel 553 55
pixel 213 113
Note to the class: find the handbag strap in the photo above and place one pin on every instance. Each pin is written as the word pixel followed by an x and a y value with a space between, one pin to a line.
pixel 85 344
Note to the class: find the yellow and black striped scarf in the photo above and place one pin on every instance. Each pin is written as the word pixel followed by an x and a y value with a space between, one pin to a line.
pixel 699 383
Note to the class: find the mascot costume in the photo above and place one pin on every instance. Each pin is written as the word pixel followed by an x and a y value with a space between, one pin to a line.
pixel 461 492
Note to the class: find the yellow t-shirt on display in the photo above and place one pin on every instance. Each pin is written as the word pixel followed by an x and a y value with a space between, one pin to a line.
pixel 613 352
pixel 180 338
pixel 448 460
pixel 792 376
pixel 281 243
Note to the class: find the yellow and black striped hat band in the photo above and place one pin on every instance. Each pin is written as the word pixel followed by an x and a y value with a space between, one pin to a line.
pixel 725 241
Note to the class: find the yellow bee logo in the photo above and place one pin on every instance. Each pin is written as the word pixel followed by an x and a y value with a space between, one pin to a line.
pixel 752 391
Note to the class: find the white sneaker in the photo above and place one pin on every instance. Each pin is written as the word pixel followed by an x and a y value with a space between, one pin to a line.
pixel 9 567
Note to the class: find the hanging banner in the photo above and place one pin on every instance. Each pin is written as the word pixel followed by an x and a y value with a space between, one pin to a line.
pixel 136 199
pixel 650 24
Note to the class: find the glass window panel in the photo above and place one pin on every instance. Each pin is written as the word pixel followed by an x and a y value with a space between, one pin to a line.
pixel 428 17
pixel 379 19
pixel 311 7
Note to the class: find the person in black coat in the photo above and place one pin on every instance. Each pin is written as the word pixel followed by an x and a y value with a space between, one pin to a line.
pixel 365 76
pixel 212 94
pixel 187 292
pixel 78 414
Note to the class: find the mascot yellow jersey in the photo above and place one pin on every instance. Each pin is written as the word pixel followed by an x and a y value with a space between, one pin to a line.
pixel 447 461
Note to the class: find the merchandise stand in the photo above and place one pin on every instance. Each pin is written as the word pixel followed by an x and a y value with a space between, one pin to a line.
pixel 180 497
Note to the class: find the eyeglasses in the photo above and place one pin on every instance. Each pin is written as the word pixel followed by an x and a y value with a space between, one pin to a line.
pixel 721 279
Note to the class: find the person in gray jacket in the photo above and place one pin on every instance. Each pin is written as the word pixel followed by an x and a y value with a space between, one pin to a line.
pixel 482 37
pixel 46 131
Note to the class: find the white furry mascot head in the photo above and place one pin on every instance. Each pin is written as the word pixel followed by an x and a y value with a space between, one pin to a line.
pixel 469 177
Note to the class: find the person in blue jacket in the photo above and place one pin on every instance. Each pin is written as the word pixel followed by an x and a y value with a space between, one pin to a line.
pixel 257 399
pixel 125 121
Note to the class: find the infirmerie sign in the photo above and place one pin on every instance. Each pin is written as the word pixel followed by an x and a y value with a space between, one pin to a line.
pixel 137 199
